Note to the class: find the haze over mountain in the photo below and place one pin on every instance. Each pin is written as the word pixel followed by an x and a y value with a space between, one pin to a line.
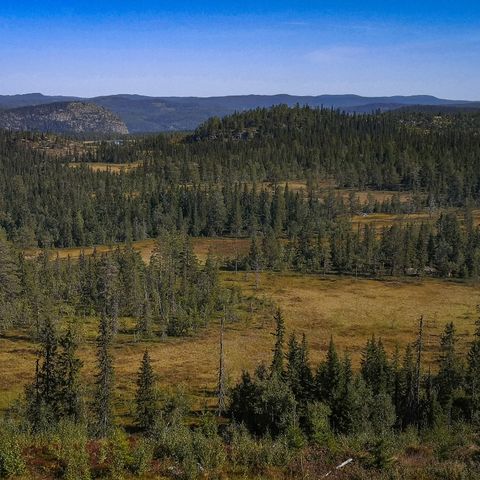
pixel 155 114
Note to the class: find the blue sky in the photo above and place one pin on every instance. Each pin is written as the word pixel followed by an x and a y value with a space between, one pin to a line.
pixel 208 48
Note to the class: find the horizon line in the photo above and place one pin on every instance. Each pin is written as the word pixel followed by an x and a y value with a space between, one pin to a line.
pixel 241 95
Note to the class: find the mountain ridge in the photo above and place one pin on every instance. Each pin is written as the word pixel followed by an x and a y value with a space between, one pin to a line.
pixel 142 113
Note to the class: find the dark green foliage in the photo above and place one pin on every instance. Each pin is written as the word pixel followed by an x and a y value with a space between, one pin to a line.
pixel 200 184
pixel 329 377
pixel 69 370
pixel 146 401
pixel 375 368
pixel 43 395
pixel 450 374
pixel 263 404
pixel 10 285
pixel 104 380
pixel 55 393
pixel 277 367
pixel 298 373
pixel 385 395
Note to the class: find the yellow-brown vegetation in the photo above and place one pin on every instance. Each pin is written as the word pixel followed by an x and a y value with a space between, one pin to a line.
pixel 348 309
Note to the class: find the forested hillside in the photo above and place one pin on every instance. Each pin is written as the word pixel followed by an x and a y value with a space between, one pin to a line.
pixel 231 177
pixel 354 207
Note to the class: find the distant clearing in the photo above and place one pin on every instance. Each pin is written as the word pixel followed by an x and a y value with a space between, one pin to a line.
pixel 362 195
pixel 388 219
pixel 107 167
pixel 221 247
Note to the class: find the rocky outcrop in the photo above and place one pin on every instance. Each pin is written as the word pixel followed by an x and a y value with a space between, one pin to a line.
pixel 63 117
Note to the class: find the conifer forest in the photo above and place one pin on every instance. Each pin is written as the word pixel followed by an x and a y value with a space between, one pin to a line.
pixel 253 299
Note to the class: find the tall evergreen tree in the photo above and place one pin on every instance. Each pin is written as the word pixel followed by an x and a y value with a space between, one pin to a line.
pixel 221 386
pixel 450 373
pixel 104 381
pixel 277 367
pixel 69 366
pixel 44 395
pixel 146 401
pixel 329 376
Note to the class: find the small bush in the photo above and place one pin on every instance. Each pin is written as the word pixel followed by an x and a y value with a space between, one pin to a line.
pixel 11 460
pixel 70 443
pixel 142 456
pixel 251 455
pixel 119 454
pixel 317 425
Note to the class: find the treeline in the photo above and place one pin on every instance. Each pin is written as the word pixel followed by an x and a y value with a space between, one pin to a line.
pixel 171 295
pixel 387 393
pixel 446 248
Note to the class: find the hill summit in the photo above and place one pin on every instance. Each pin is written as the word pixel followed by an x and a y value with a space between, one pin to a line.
pixel 63 117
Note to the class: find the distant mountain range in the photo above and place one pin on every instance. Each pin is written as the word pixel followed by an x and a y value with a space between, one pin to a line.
pixel 63 117
pixel 156 114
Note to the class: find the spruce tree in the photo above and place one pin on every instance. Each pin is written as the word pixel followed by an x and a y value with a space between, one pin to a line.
pixel 221 386
pixel 409 409
pixel 49 369
pixel 103 408
pixel 293 368
pixel 278 351
pixel 44 395
pixel 146 402
pixel 69 371
pixel 329 376
pixel 374 366
pixel 306 377
pixel 450 374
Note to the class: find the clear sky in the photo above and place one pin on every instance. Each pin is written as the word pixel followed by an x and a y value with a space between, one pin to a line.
pixel 209 48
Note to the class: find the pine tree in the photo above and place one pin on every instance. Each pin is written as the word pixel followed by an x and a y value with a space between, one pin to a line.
pixel 255 260
pixel 418 365
pixel 396 383
pixel 146 402
pixel 104 381
pixel 108 289
pixel 278 211
pixel 430 410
